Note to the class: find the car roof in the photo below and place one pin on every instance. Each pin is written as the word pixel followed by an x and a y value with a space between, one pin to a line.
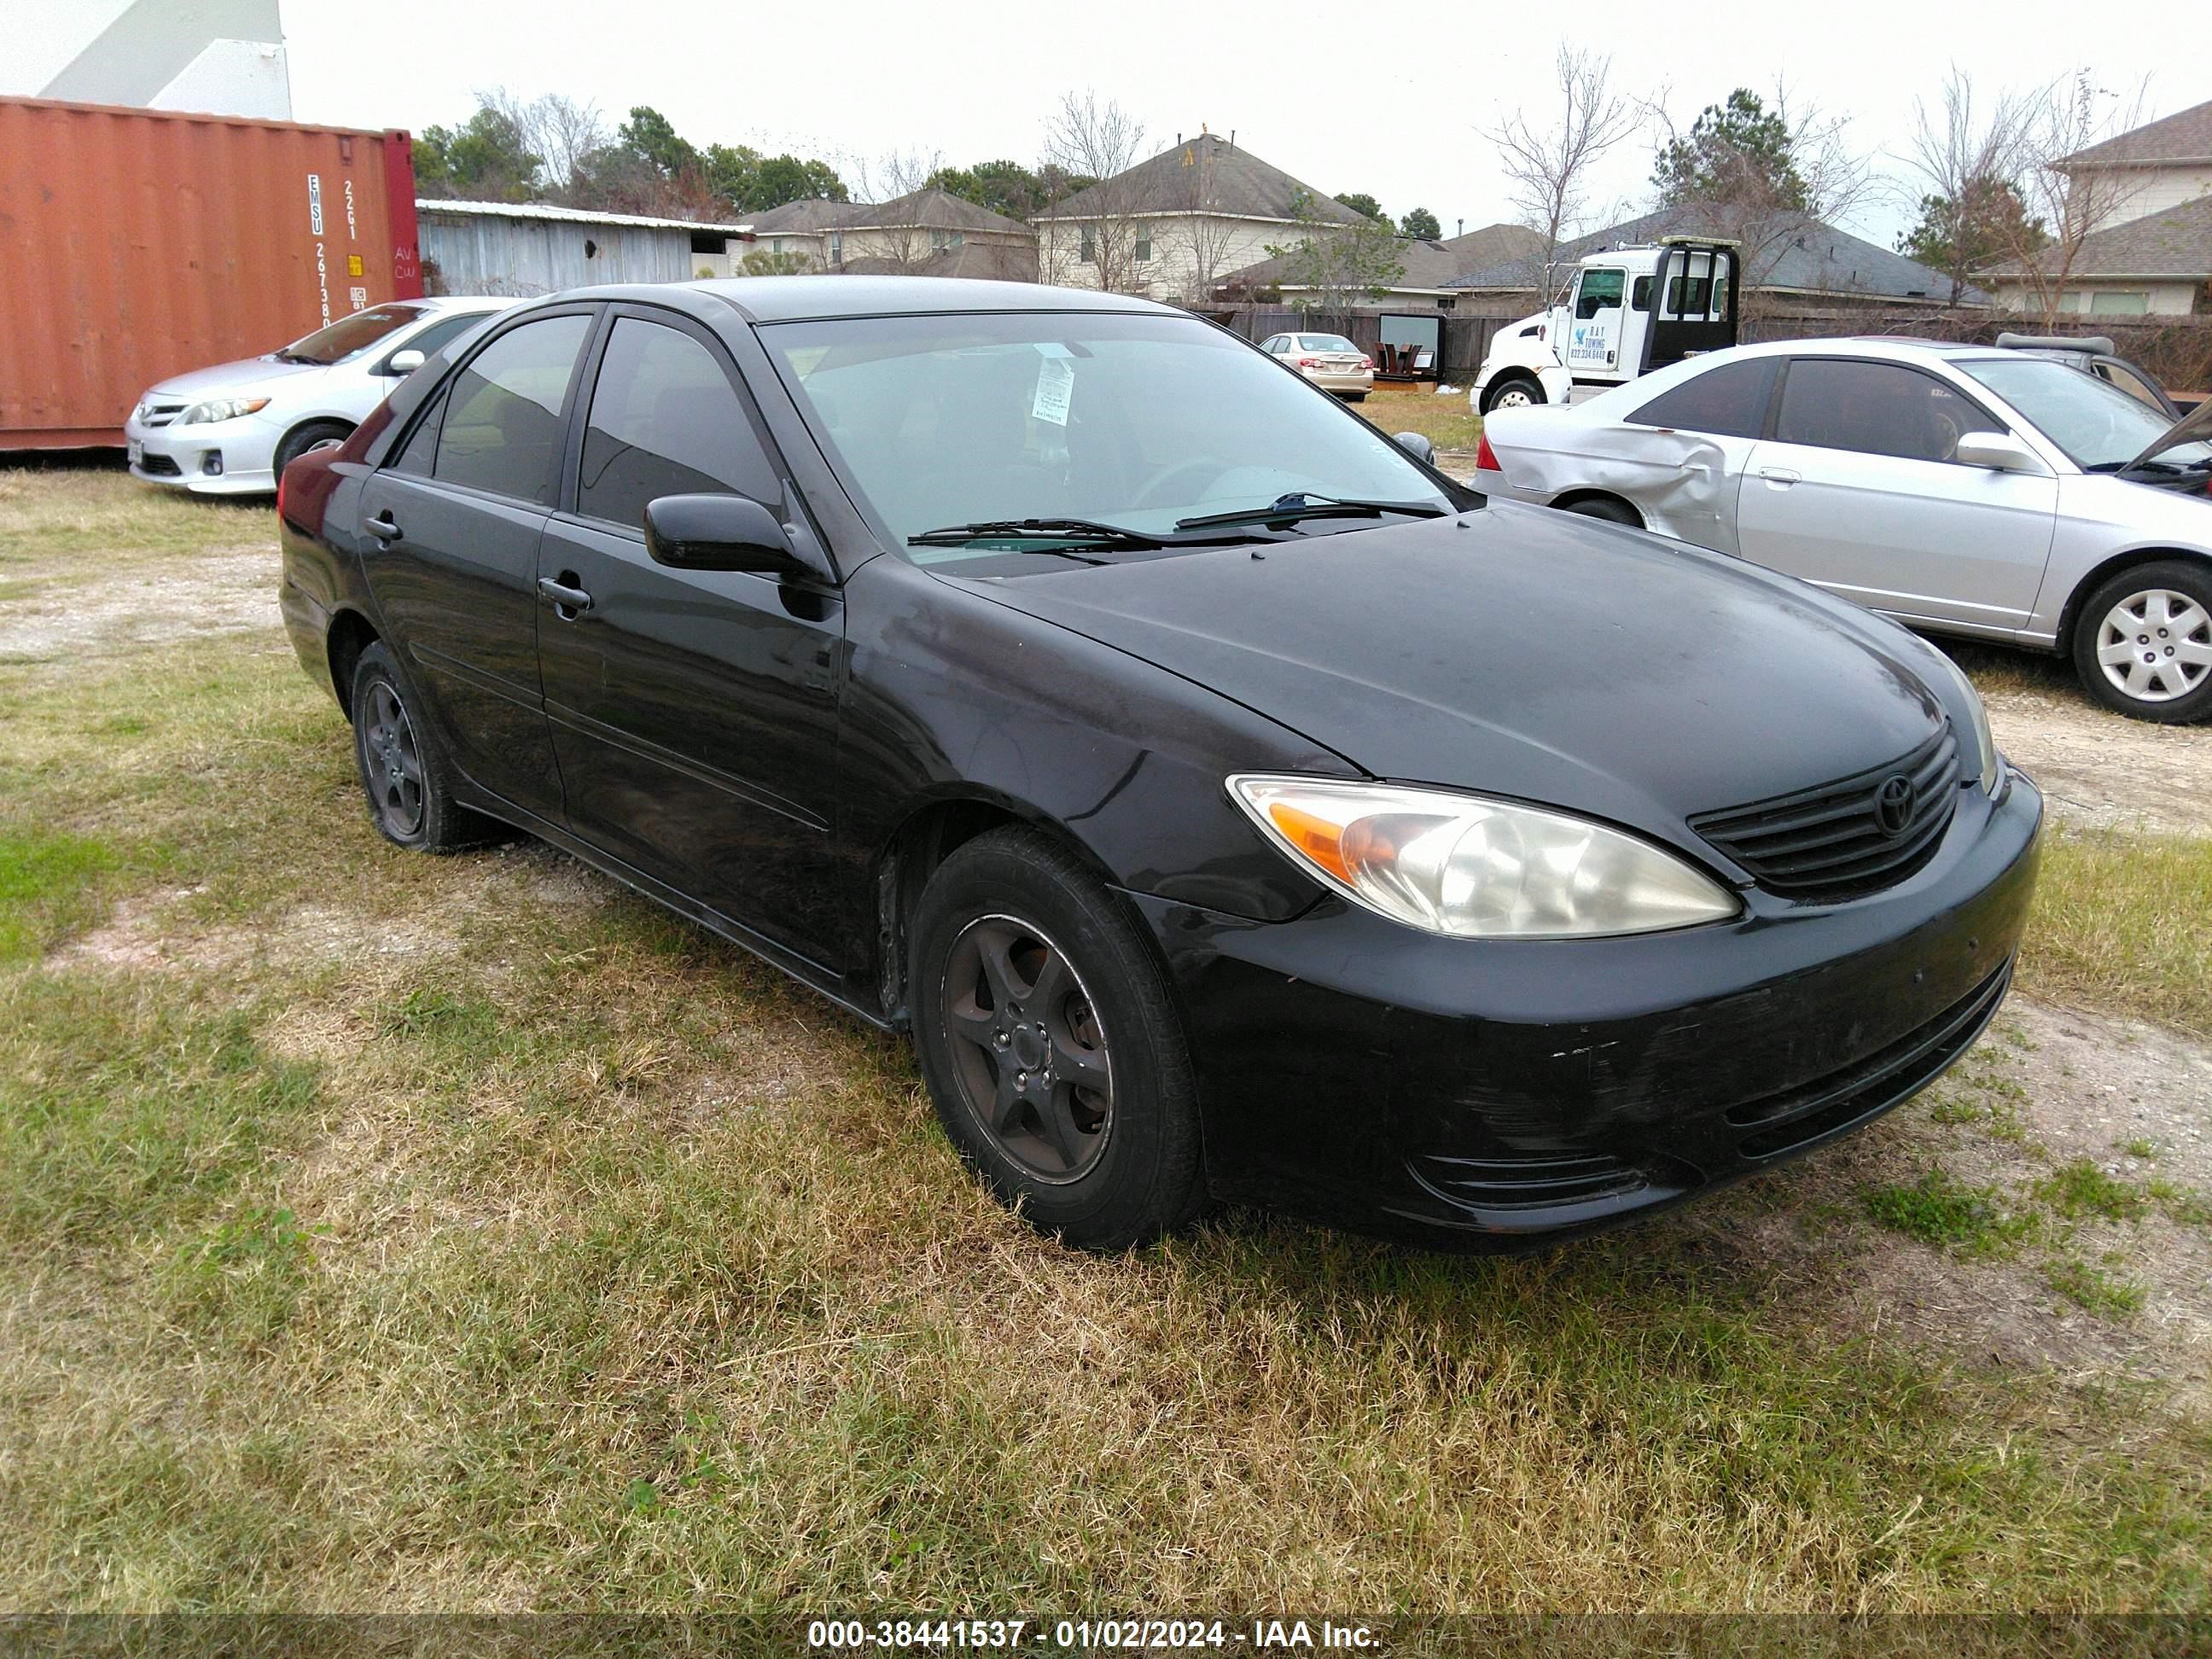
pixel 795 298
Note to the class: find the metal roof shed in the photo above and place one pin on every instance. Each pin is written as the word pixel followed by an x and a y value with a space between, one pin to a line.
pixel 529 247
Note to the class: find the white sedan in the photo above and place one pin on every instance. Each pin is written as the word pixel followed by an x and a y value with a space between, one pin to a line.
pixel 1962 489
pixel 232 429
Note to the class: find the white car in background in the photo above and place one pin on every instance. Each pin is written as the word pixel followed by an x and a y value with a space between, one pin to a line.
pixel 1963 489
pixel 232 429
pixel 1329 360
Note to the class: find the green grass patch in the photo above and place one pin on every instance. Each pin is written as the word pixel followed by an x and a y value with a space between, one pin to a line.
pixel 1939 1210
pixel 46 885
pixel 2092 1288
pixel 2080 1190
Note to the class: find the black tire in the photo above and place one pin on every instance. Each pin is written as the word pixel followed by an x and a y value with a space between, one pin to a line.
pixel 301 438
pixel 1355 397
pixel 1526 385
pixel 1102 1169
pixel 2168 606
pixel 1604 507
pixel 404 770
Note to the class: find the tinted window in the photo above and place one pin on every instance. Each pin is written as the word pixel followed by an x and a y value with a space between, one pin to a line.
pixel 1729 400
pixel 421 449
pixel 433 338
pixel 1875 409
pixel 665 421
pixel 502 426
pixel 1600 291
pixel 1640 295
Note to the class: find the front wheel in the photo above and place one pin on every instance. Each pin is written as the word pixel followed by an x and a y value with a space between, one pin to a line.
pixel 298 441
pixel 1514 391
pixel 1051 1047
pixel 2142 644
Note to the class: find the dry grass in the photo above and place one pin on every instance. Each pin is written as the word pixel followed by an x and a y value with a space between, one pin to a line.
pixel 409 1233
pixel 1444 419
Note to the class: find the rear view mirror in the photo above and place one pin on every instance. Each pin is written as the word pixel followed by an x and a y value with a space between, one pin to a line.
pixel 719 533
pixel 1418 447
pixel 405 363
pixel 2000 451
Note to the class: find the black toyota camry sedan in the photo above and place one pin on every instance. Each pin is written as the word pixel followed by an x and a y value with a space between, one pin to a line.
pixel 1232 806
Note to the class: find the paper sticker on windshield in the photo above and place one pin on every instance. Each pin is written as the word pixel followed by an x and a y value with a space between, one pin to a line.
pixel 1055 385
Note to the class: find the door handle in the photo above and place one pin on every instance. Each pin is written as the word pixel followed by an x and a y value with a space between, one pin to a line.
pixel 1779 475
pixel 384 527
pixel 570 602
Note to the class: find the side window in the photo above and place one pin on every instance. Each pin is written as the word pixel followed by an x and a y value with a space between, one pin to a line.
pixel 1874 409
pixel 665 421
pixel 502 426
pixel 433 338
pixel 1600 290
pixel 1729 399
pixel 1639 298
pixel 421 448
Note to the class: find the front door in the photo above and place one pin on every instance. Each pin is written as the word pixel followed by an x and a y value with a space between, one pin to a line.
pixel 1594 323
pixel 451 553
pixel 695 713
pixel 1856 491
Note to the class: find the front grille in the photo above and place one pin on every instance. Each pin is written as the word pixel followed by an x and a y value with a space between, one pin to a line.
pixel 1519 1184
pixel 151 414
pixel 159 466
pixel 1782 1123
pixel 1831 842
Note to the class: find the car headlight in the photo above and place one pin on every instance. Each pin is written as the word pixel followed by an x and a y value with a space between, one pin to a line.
pixel 1469 867
pixel 220 408
pixel 1986 746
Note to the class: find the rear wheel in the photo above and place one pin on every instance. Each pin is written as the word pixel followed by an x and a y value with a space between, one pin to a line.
pixel 2143 642
pixel 404 770
pixel 1514 391
pixel 1051 1045
pixel 1604 507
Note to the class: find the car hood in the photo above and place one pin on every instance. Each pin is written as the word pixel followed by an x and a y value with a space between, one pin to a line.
pixel 1524 652
pixel 2198 423
pixel 247 374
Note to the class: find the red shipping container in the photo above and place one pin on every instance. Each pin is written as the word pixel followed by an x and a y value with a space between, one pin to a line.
pixel 136 244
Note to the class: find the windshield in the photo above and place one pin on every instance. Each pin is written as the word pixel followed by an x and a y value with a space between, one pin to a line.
pixel 2100 428
pixel 350 336
pixel 1134 423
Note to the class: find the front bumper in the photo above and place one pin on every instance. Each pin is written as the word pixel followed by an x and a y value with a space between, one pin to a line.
pixel 1484 1094
pixel 177 457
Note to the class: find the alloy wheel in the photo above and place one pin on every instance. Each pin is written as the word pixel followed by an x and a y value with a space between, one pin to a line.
pixel 2156 645
pixel 1029 1048
pixel 391 762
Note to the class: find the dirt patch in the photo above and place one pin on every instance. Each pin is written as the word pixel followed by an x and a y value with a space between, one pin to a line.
pixel 2102 771
pixel 2047 1086
pixel 60 613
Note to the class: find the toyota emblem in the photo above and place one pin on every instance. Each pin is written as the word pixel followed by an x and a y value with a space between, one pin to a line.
pixel 1892 805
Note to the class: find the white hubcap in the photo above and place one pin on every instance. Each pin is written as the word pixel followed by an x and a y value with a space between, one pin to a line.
pixel 1517 397
pixel 2156 646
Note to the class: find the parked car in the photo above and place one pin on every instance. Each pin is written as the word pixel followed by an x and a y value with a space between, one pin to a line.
pixel 232 429
pixel 1229 805
pixel 2096 354
pixel 1996 494
pixel 1329 360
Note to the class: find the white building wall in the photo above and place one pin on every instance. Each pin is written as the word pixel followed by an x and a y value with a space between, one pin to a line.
pixel 2107 298
pixel 2162 188
pixel 1177 241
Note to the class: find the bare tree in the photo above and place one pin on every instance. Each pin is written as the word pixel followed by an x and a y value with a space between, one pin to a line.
pixel 895 236
pixel 1198 239
pixel 556 129
pixel 1548 160
pixel 2071 199
pixel 1088 140
pixel 1970 156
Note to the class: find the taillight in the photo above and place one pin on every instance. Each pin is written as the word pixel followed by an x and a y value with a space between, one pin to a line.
pixel 1367 362
pixel 1485 458
pixel 1308 362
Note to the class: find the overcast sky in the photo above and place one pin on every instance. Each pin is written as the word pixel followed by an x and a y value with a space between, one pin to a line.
pixel 1344 97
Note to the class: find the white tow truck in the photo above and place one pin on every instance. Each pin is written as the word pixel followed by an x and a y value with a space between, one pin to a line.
pixel 1605 330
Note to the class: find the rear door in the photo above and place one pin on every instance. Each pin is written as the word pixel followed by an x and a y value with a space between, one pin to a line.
pixel 1855 490
pixel 453 528
pixel 695 712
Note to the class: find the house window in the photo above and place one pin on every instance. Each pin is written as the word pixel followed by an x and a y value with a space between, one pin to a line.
pixel 704 242
pixel 1144 246
pixel 836 247
pixel 2119 302
pixel 1089 247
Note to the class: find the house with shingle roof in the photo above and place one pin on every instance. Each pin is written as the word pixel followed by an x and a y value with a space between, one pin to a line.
pixel 2155 256
pixel 1178 223
pixel 1794 257
pixel 1425 284
pixel 926 232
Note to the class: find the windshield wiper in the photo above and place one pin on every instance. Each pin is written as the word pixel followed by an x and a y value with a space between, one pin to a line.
pixel 1287 509
pixel 1089 531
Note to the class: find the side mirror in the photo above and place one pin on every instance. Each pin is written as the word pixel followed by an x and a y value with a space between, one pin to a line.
pixel 1418 447
pixel 2000 451
pixel 403 362
pixel 719 533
